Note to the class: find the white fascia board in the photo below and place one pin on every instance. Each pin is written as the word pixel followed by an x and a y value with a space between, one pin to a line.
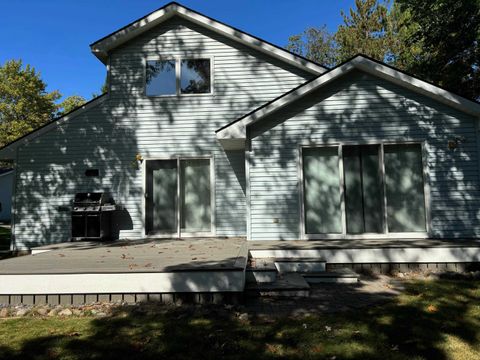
pixel 8 152
pixel 378 255
pixel 167 282
pixel 417 85
pixel 101 48
pixel 238 129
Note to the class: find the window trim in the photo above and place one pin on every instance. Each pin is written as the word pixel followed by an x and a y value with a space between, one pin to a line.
pixel 344 234
pixel 178 64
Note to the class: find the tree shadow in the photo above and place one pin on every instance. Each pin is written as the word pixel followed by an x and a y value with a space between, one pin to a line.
pixel 416 324
pixel 110 135
pixel 361 109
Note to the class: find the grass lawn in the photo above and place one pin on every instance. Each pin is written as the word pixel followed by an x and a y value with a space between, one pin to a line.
pixel 4 238
pixel 431 320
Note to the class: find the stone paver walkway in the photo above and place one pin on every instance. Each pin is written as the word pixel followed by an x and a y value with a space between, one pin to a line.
pixel 330 298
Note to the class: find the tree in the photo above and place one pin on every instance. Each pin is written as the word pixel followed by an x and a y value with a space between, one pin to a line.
pixel 24 102
pixel 366 31
pixel 443 43
pixel 71 103
pixel 315 43
pixel 369 29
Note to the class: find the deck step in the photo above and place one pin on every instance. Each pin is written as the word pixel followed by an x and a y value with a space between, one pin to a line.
pixel 340 276
pixel 261 271
pixel 300 265
pixel 286 285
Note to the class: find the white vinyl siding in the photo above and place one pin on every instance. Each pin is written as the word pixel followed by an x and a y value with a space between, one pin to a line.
pixel 108 137
pixel 361 109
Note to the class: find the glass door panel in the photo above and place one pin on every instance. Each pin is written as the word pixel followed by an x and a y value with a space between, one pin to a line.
pixel 363 184
pixel 404 187
pixel 161 196
pixel 322 191
pixel 195 195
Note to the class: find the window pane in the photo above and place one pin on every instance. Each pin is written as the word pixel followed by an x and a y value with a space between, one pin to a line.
pixel 161 79
pixel 404 184
pixel 195 76
pixel 322 191
pixel 363 189
pixel 195 195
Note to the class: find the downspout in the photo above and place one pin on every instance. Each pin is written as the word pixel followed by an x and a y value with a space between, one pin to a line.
pixel 248 149
pixel 13 244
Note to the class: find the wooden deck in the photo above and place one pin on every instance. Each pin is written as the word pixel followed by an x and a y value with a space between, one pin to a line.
pixel 79 272
pixel 131 257
pixel 372 251
pixel 145 267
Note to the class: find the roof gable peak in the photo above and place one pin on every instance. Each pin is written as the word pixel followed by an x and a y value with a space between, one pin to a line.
pixel 101 48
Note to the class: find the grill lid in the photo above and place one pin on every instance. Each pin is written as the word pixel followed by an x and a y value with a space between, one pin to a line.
pixel 88 198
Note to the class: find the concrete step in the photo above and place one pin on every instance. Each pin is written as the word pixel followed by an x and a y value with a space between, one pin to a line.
pixel 286 285
pixel 340 276
pixel 300 265
pixel 261 271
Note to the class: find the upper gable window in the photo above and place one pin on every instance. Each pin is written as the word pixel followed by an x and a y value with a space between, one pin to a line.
pixel 178 77
pixel 195 76
pixel 161 78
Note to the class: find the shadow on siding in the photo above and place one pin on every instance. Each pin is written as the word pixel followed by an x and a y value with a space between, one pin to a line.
pixel 358 109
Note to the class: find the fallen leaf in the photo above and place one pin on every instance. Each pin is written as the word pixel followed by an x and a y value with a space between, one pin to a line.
pixel 432 309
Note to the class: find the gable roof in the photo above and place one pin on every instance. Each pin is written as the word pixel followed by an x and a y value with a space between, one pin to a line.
pixel 7 152
pixel 235 132
pixel 4 172
pixel 100 48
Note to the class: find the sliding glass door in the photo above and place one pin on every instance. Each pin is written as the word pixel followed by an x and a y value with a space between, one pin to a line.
pixel 363 189
pixel 404 188
pixel 363 184
pixel 178 197
pixel 161 196
pixel 322 190
pixel 195 194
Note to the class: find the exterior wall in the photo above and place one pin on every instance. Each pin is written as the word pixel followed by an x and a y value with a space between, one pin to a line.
pixel 361 108
pixel 51 168
pixel 6 187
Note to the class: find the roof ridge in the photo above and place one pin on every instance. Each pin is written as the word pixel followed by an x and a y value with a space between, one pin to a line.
pixel 212 20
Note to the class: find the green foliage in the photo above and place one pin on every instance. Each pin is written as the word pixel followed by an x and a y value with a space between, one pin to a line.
pixel 70 103
pixel 315 43
pixel 365 31
pixel 368 29
pixel 435 40
pixel 442 43
pixel 24 102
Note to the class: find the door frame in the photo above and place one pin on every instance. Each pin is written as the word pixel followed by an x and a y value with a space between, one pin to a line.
pixel 179 233
pixel 386 234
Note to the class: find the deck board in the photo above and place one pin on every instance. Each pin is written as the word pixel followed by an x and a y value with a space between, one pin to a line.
pixel 132 257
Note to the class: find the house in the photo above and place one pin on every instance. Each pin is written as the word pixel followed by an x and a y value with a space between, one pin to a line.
pixel 207 131
pixel 6 186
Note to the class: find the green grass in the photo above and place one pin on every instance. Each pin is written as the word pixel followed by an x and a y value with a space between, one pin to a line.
pixel 4 238
pixel 431 320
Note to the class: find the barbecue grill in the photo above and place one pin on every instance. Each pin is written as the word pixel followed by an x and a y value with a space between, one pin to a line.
pixel 91 216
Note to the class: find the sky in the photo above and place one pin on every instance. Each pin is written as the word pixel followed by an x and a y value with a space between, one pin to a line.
pixel 54 35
